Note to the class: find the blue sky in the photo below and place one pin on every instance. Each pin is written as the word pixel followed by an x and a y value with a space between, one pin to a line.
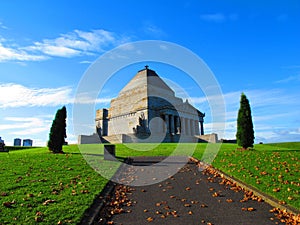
pixel 251 47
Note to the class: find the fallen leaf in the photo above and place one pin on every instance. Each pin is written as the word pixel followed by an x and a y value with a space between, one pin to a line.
pixel 84 191
pixel 8 204
pixel 216 194
pixel 38 213
pixel 48 201
pixel 38 219
pixel 149 219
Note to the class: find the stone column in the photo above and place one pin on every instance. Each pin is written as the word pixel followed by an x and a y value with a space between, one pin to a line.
pixel 172 124
pixel 197 127
pixel 187 126
pixel 163 125
pixel 192 127
pixel 201 128
pixel 177 125
pixel 167 122
pixel 182 120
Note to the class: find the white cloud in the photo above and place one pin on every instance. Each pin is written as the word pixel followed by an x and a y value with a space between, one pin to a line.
pixel 3 26
pixel 84 98
pixel 219 17
pixel 72 44
pixel 16 95
pixel 153 30
pixel 26 125
pixel 77 43
pixel 214 17
pixel 295 78
pixel 86 62
pixel 54 50
pixel 11 54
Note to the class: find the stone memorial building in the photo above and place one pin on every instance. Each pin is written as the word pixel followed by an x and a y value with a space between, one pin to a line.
pixel 147 110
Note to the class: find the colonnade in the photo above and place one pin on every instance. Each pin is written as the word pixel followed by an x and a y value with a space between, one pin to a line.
pixel 180 125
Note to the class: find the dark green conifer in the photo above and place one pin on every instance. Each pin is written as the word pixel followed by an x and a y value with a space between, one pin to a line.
pixel 57 133
pixel 245 133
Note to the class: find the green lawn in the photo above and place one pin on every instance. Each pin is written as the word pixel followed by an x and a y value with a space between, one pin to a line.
pixel 37 185
pixel 271 168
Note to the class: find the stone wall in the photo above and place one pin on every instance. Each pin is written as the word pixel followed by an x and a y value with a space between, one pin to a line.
pixel 210 138
pixel 89 139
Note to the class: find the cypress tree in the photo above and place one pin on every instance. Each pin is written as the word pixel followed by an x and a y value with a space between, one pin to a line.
pixel 57 133
pixel 245 133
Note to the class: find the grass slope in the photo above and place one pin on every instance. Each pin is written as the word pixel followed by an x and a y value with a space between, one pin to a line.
pixel 271 168
pixel 38 186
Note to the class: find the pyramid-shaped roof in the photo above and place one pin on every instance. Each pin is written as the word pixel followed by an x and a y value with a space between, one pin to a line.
pixel 148 80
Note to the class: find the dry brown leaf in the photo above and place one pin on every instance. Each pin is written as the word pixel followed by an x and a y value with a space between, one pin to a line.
pixel 229 200
pixel 48 201
pixel 149 219
pixel 216 194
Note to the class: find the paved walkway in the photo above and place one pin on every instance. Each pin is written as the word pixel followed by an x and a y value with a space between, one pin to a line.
pixel 188 197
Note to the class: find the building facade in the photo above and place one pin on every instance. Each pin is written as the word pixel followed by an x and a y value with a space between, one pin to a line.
pixel 27 142
pixel 147 109
pixel 17 142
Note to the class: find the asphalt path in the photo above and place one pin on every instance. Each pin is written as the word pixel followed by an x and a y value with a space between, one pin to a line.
pixel 188 197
